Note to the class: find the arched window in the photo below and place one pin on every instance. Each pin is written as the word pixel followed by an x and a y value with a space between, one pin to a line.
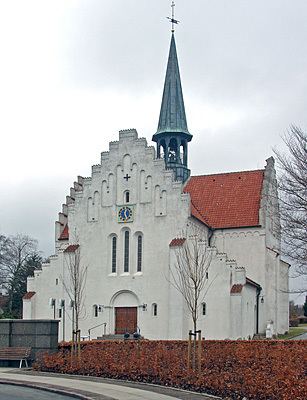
pixel 127 196
pixel 126 251
pixel 114 246
pixel 155 309
pixel 95 310
pixel 139 253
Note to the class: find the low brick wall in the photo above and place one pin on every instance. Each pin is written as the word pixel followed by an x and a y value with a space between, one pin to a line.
pixel 41 335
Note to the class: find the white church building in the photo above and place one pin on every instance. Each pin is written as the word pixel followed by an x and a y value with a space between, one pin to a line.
pixel 128 221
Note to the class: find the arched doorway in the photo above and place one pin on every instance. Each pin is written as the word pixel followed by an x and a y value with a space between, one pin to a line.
pixel 125 304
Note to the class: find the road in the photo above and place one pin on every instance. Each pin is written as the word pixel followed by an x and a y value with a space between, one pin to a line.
pixel 11 392
pixel 90 387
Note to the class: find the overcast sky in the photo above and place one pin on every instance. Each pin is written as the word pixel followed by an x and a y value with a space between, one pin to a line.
pixel 73 73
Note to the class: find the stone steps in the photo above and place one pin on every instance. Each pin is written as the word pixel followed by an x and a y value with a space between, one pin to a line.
pixel 110 337
pixel 116 337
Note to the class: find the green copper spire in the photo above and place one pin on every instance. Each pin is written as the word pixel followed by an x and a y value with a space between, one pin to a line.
pixel 172 136
pixel 172 115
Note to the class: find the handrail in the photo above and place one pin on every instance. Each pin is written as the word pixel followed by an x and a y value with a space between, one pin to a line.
pixel 97 326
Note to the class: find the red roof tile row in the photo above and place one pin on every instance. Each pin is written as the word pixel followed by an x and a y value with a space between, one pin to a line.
pixel 177 242
pixel 71 248
pixel 237 288
pixel 228 200
pixel 28 295
pixel 65 233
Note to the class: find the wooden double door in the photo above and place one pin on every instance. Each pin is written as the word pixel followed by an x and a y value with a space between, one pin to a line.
pixel 125 320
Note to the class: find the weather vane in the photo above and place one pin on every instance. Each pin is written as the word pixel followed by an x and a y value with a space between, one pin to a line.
pixel 173 20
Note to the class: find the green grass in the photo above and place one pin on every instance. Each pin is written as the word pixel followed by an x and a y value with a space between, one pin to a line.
pixel 295 331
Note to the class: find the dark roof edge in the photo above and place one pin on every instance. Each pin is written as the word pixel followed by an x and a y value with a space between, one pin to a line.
pixel 253 283
pixel 208 226
pixel 237 227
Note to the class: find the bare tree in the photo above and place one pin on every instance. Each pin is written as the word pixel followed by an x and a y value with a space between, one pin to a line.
pixel 293 199
pixel 18 259
pixel 190 273
pixel 75 283
pixel 4 242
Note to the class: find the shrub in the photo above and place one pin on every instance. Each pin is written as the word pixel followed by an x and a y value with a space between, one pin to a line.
pixel 258 370
pixel 294 322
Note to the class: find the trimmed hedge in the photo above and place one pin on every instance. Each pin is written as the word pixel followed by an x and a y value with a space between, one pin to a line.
pixel 257 370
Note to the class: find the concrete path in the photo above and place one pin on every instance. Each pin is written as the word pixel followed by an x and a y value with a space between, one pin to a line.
pixel 94 388
pixel 303 336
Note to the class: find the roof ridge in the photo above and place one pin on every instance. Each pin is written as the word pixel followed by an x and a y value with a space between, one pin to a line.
pixel 228 173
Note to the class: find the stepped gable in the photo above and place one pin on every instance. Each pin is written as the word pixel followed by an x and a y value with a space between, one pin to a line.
pixel 226 200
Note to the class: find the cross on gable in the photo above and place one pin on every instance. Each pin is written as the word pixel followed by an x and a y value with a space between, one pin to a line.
pixel 127 177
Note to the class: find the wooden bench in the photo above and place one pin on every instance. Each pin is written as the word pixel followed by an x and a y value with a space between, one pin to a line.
pixel 15 354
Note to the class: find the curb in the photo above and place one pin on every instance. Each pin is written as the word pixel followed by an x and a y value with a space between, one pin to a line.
pixel 53 389
pixel 132 384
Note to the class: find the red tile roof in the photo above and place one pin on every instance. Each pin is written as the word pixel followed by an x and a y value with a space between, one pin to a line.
pixel 177 242
pixel 71 248
pixel 65 233
pixel 28 295
pixel 237 288
pixel 229 200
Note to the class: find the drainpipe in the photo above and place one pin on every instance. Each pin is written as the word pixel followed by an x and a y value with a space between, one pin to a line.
pixel 257 306
pixel 210 235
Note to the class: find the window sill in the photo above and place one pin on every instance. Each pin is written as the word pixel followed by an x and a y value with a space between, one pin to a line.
pixel 113 274
pixel 125 274
pixel 140 273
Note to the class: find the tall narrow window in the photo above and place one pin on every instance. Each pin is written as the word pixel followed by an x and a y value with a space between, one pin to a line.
pixel 126 252
pixel 127 197
pixel 155 309
pixel 95 310
pixel 114 244
pixel 139 254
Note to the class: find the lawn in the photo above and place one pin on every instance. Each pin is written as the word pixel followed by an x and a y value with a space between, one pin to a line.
pixel 293 332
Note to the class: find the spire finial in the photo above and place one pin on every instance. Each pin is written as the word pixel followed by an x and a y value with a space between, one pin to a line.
pixel 173 20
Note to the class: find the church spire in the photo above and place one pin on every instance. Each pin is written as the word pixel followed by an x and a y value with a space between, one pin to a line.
pixel 172 113
pixel 172 135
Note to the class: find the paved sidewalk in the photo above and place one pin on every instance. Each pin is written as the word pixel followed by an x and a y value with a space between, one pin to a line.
pixel 95 388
